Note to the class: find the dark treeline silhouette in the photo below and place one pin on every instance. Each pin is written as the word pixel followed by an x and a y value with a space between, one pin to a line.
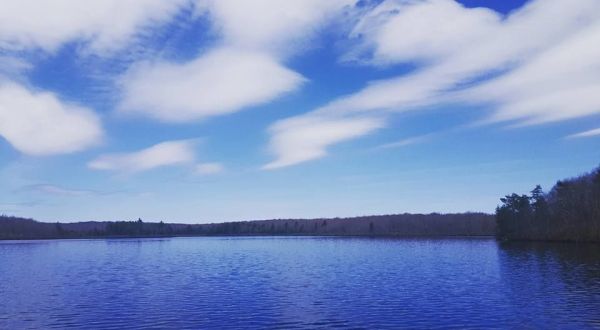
pixel 21 228
pixel 569 212
pixel 464 224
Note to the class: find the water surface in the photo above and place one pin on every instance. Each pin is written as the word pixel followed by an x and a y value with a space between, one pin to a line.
pixel 297 282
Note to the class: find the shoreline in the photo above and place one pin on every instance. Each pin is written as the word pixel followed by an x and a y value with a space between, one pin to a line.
pixel 399 237
pixel 229 236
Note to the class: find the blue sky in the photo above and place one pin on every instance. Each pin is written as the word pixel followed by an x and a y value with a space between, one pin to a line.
pixel 201 111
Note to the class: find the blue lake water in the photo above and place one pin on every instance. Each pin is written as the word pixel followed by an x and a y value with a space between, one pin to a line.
pixel 297 282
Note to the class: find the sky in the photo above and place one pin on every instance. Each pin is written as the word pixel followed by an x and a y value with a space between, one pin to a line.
pixel 203 111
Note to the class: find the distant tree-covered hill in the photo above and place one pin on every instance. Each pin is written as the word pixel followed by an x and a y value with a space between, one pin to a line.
pixel 463 224
pixel 569 212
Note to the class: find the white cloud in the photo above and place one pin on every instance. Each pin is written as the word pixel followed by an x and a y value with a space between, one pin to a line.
pixel 297 140
pixel 406 142
pixel 163 154
pixel 562 82
pixel 462 36
pixel 590 133
pixel 506 45
pixel 56 190
pixel 51 189
pixel 244 69
pixel 209 168
pixel 272 25
pixel 220 82
pixel 38 123
pixel 402 31
pixel 105 25
pixel 545 57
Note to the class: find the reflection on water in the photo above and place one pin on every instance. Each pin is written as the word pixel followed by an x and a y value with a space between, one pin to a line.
pixel 298 282
pixel 558 283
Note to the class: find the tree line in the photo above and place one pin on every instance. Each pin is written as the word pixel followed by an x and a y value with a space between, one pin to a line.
pixel 463 224
pixel 570 211
pixel 24 228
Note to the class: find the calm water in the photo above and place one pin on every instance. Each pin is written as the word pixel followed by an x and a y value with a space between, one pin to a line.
pixel 297 283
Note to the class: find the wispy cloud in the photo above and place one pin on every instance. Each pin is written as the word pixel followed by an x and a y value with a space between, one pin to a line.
pixel 407 141
pixel 590 133
pixel 47 25
pixel 542 58
pixel 51 189
pixel 209 168
pixel 281 28
pixel 13 66
pixel 562 82
pixel 168 153
pixel 297 140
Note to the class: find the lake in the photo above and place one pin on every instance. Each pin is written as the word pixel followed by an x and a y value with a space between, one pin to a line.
pixel 298 282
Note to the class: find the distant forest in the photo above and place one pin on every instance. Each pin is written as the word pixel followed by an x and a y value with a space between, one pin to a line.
pixel 405 225
pixel 570 211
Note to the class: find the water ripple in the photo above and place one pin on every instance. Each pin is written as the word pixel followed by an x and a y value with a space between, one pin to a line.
pixel 298 283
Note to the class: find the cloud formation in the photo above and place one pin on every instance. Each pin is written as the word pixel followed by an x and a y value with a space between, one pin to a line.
pixel 40 124
pixel 277 27
pixel 539 64
pixel 244 69
pixel 562 82
pixel 449 64
pixel 163 154
pixel 301 139
pixel 401 31
pixel 220 82
pixel 103 25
